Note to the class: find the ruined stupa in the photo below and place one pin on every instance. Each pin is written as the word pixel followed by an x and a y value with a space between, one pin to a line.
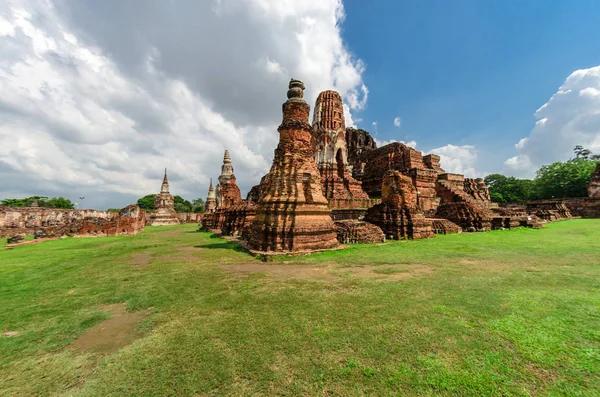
pixel 292 213
pixel 164 207
pixel 211 199
pixel 331 152
pixel 228 192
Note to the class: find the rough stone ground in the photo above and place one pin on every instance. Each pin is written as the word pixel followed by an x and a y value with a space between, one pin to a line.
pixel 111 335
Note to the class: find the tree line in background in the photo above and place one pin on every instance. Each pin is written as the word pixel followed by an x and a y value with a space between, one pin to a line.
pixel 42 201
pixel 561 179
pixel 181 205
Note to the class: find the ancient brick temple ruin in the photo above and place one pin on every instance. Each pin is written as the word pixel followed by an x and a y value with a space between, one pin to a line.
pixel 164 207
pixel 325 173
pixel 53 222
pixel 228 214
pixel 398 214
pixel 292 214
pixel 331 153
pixel 228 193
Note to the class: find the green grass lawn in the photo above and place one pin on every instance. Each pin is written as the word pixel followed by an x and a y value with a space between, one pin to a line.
pixel 500 313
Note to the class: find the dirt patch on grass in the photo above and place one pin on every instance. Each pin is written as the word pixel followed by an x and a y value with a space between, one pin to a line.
pixel 140 259
pixel 187 253
pixel 113 334
pixel 282 272
pixel 547 375
pixel 171 233
pixel 10 334
pixel 30 242
pixel 389 272
pixel 328 273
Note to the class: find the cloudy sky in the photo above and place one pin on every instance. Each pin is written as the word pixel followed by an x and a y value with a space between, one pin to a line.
pixel 97 97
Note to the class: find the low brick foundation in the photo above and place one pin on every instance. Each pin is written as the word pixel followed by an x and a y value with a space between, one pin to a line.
pixel 57 222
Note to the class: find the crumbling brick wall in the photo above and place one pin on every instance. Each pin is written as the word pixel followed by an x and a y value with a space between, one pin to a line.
pixel 358 143
pixel 393 157
pixel 189 217
pixel 58 222
pixel 398 214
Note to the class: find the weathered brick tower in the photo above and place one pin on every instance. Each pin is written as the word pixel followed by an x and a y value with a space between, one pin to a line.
pixel 292 213
pixel 331 152
pixel 228 192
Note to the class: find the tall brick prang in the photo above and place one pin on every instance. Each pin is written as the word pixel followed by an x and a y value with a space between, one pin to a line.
pixel 330 150
pixel 292 214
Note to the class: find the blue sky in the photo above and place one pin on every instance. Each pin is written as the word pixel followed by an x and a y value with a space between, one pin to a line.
pixel 467 72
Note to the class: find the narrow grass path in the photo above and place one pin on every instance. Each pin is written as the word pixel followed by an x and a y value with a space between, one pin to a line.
pixel 499 313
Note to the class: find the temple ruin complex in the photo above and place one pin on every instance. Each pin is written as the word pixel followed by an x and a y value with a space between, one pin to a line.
pixel 164 207
pixel 330 184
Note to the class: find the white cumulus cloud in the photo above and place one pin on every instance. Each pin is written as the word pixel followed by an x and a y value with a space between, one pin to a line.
pixel 458 159
pixel 380 143
pixel 96 100
pixel 397 122
pixel 571 117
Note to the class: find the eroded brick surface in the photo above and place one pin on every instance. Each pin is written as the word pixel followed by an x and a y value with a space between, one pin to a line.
pixel 356 232
pixel 292 214
pixel 52 222
pixel 331 152
pixel 398 215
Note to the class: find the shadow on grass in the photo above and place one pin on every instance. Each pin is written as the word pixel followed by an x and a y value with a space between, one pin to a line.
pixel 224 245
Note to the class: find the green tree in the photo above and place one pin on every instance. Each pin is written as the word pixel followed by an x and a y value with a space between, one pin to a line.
pixel 9 202
pixel 42 201
pixel 565 179
pixel 182 205
pixel 116 210
pixel 147 202
pixel 508 189
pixel 59 202
pixel 198 205
pixel 586 154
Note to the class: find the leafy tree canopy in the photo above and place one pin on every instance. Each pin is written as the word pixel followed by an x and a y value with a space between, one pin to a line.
pixel 42 201
pixel 557 180
pixel 198 205
pixel 565 179
pixel 182 205
pixel 147 202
